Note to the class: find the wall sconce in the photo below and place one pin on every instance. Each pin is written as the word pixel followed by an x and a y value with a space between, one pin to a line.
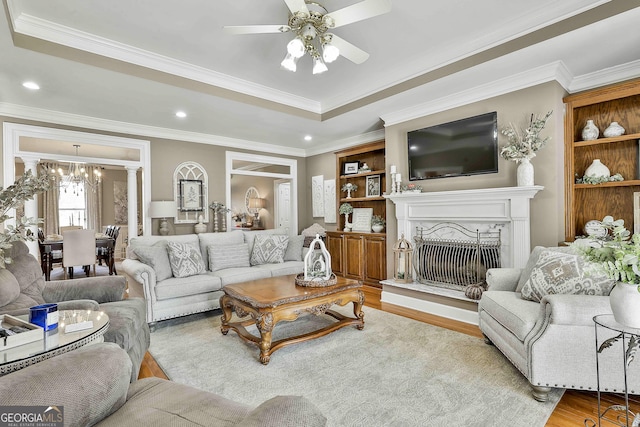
pixel 402 261
pixel 255 204
pixel 163 209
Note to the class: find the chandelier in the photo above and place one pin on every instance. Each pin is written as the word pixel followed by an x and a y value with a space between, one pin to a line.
pixel 79 176
pixel 311 38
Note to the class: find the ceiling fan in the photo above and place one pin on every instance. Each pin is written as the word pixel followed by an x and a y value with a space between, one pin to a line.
pixel 310 22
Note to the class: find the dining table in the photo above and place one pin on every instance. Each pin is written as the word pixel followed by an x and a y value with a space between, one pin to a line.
pixel 105 245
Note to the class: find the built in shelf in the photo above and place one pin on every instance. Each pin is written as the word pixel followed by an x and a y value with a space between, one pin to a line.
pixel 627 183
pixel 361 199
pixel 607 140
pixel 356 175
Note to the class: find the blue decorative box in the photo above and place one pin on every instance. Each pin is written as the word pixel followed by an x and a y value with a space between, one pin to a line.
pixel 45 316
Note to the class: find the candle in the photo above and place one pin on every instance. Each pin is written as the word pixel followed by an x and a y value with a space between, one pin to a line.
pixel 393 168
pixel 398 177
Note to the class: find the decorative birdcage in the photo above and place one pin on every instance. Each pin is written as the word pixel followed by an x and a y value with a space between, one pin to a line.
pixel 317 266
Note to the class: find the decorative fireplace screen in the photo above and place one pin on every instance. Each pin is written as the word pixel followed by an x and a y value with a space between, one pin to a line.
pixel 451 256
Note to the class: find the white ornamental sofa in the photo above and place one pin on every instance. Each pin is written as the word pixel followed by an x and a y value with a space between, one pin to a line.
pixel 552 341
pixel 225 258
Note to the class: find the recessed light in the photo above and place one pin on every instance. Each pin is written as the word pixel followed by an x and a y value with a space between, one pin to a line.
pixel 308 138
pixel 31 85
pixel 181 114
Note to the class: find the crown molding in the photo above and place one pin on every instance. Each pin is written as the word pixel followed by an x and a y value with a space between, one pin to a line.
pixel 600 78
pixel 32 26
pixel 86 122
pixel 342 144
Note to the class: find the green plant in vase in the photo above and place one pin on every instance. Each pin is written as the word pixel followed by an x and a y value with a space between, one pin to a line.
pixel 377 223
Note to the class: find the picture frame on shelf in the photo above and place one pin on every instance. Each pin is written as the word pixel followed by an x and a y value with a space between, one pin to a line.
pixel 361 219
pixel 191 191
pixel 373 186
pixel 351 168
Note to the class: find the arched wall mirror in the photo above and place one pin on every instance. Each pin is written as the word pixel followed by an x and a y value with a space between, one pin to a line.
pixel 260 192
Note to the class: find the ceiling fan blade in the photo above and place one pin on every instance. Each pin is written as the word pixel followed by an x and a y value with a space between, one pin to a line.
pixel 297 6
pixel 357 12
pixel 349 51
pixel 256 29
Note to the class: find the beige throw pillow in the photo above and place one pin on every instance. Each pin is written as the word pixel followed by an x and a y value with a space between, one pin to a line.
pixel 561 273
pixel 269 249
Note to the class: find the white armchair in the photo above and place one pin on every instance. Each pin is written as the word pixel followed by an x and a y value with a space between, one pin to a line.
pixel 551 342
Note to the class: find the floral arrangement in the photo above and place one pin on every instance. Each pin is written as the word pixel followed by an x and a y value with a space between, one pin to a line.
pixel 412 187
pixel 595 180
pixel 524 143
pixel 25 188
pixel 218 207
pixel 378 220
pixel 345 209
pixel 349 187
pixel 618 256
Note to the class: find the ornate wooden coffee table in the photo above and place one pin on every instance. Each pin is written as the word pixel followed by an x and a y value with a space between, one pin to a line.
pixel 269 301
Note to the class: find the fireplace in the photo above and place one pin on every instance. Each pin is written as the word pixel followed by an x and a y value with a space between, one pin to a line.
pixel 490 210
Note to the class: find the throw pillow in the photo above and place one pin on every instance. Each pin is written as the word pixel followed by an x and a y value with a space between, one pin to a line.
pixel 533 260
pixel 294 248
pixel 269 249
pixel 561 273
pixel 228 256
pixel 156 257
pixel 185 260
pixel 10 288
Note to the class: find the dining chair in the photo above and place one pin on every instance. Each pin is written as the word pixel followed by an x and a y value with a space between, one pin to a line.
pixel 70 227
pixel 56 255
pixel 79 249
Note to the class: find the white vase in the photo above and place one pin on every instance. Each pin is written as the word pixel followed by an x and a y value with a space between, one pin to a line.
pixel 613 130
pixel 597 169
pixel 346 223
pixel 524 173
pixel 377 228
pixel 625 304
pixel 590 131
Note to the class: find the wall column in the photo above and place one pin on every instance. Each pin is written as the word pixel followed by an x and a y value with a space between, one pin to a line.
pixel 31 206
pixel 132 200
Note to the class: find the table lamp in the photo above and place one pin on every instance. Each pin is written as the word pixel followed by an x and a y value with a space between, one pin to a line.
pixel 163 209
pixel 255 204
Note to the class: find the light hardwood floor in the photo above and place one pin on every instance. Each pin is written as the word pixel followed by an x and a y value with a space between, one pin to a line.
pixel 572 410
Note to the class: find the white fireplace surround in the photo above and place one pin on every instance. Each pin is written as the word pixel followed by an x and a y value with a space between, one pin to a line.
pixel 507 209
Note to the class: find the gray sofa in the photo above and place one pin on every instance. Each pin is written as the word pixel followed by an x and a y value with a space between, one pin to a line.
pixel 168 296
pixel 22 286
pixel 91 385
pixel 552 342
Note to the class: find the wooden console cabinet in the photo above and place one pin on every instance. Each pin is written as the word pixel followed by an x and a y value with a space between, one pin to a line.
pixel 583 202
pixel 360 256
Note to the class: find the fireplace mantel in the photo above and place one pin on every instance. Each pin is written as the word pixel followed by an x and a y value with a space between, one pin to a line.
pixel 505 205
pixel 505 208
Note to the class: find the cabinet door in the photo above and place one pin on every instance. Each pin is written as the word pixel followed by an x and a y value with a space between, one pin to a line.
pixel 375 259
pixel 353 256
pixel 334 246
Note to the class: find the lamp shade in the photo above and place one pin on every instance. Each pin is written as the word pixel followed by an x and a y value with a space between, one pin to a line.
pixel 162 209
pixel 257 203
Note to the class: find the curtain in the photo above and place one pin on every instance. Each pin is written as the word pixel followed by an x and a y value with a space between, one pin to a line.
pixel 93 200
pixel 50 205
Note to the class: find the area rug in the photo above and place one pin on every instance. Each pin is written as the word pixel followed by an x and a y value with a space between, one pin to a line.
pixel 395 372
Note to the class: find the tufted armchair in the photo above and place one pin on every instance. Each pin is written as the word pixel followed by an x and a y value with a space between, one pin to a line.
pixel 22 286
pixel 551 342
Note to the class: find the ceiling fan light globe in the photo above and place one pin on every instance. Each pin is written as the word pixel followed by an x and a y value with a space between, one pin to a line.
pixel 318 65
pixel 296 48
pixel 289 63
pixel 330 53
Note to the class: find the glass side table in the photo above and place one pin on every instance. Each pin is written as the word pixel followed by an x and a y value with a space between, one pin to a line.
pixel 619 415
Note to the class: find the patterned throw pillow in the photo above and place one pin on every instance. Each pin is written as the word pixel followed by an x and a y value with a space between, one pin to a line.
pixel 156 257
pixel 185 260
pixel 228 256
pixel 269 249
pixel 559 273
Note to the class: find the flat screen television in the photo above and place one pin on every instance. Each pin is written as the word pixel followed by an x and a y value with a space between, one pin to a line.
pixel 464 147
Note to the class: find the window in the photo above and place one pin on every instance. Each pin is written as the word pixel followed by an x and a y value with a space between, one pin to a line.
pixel 72 206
